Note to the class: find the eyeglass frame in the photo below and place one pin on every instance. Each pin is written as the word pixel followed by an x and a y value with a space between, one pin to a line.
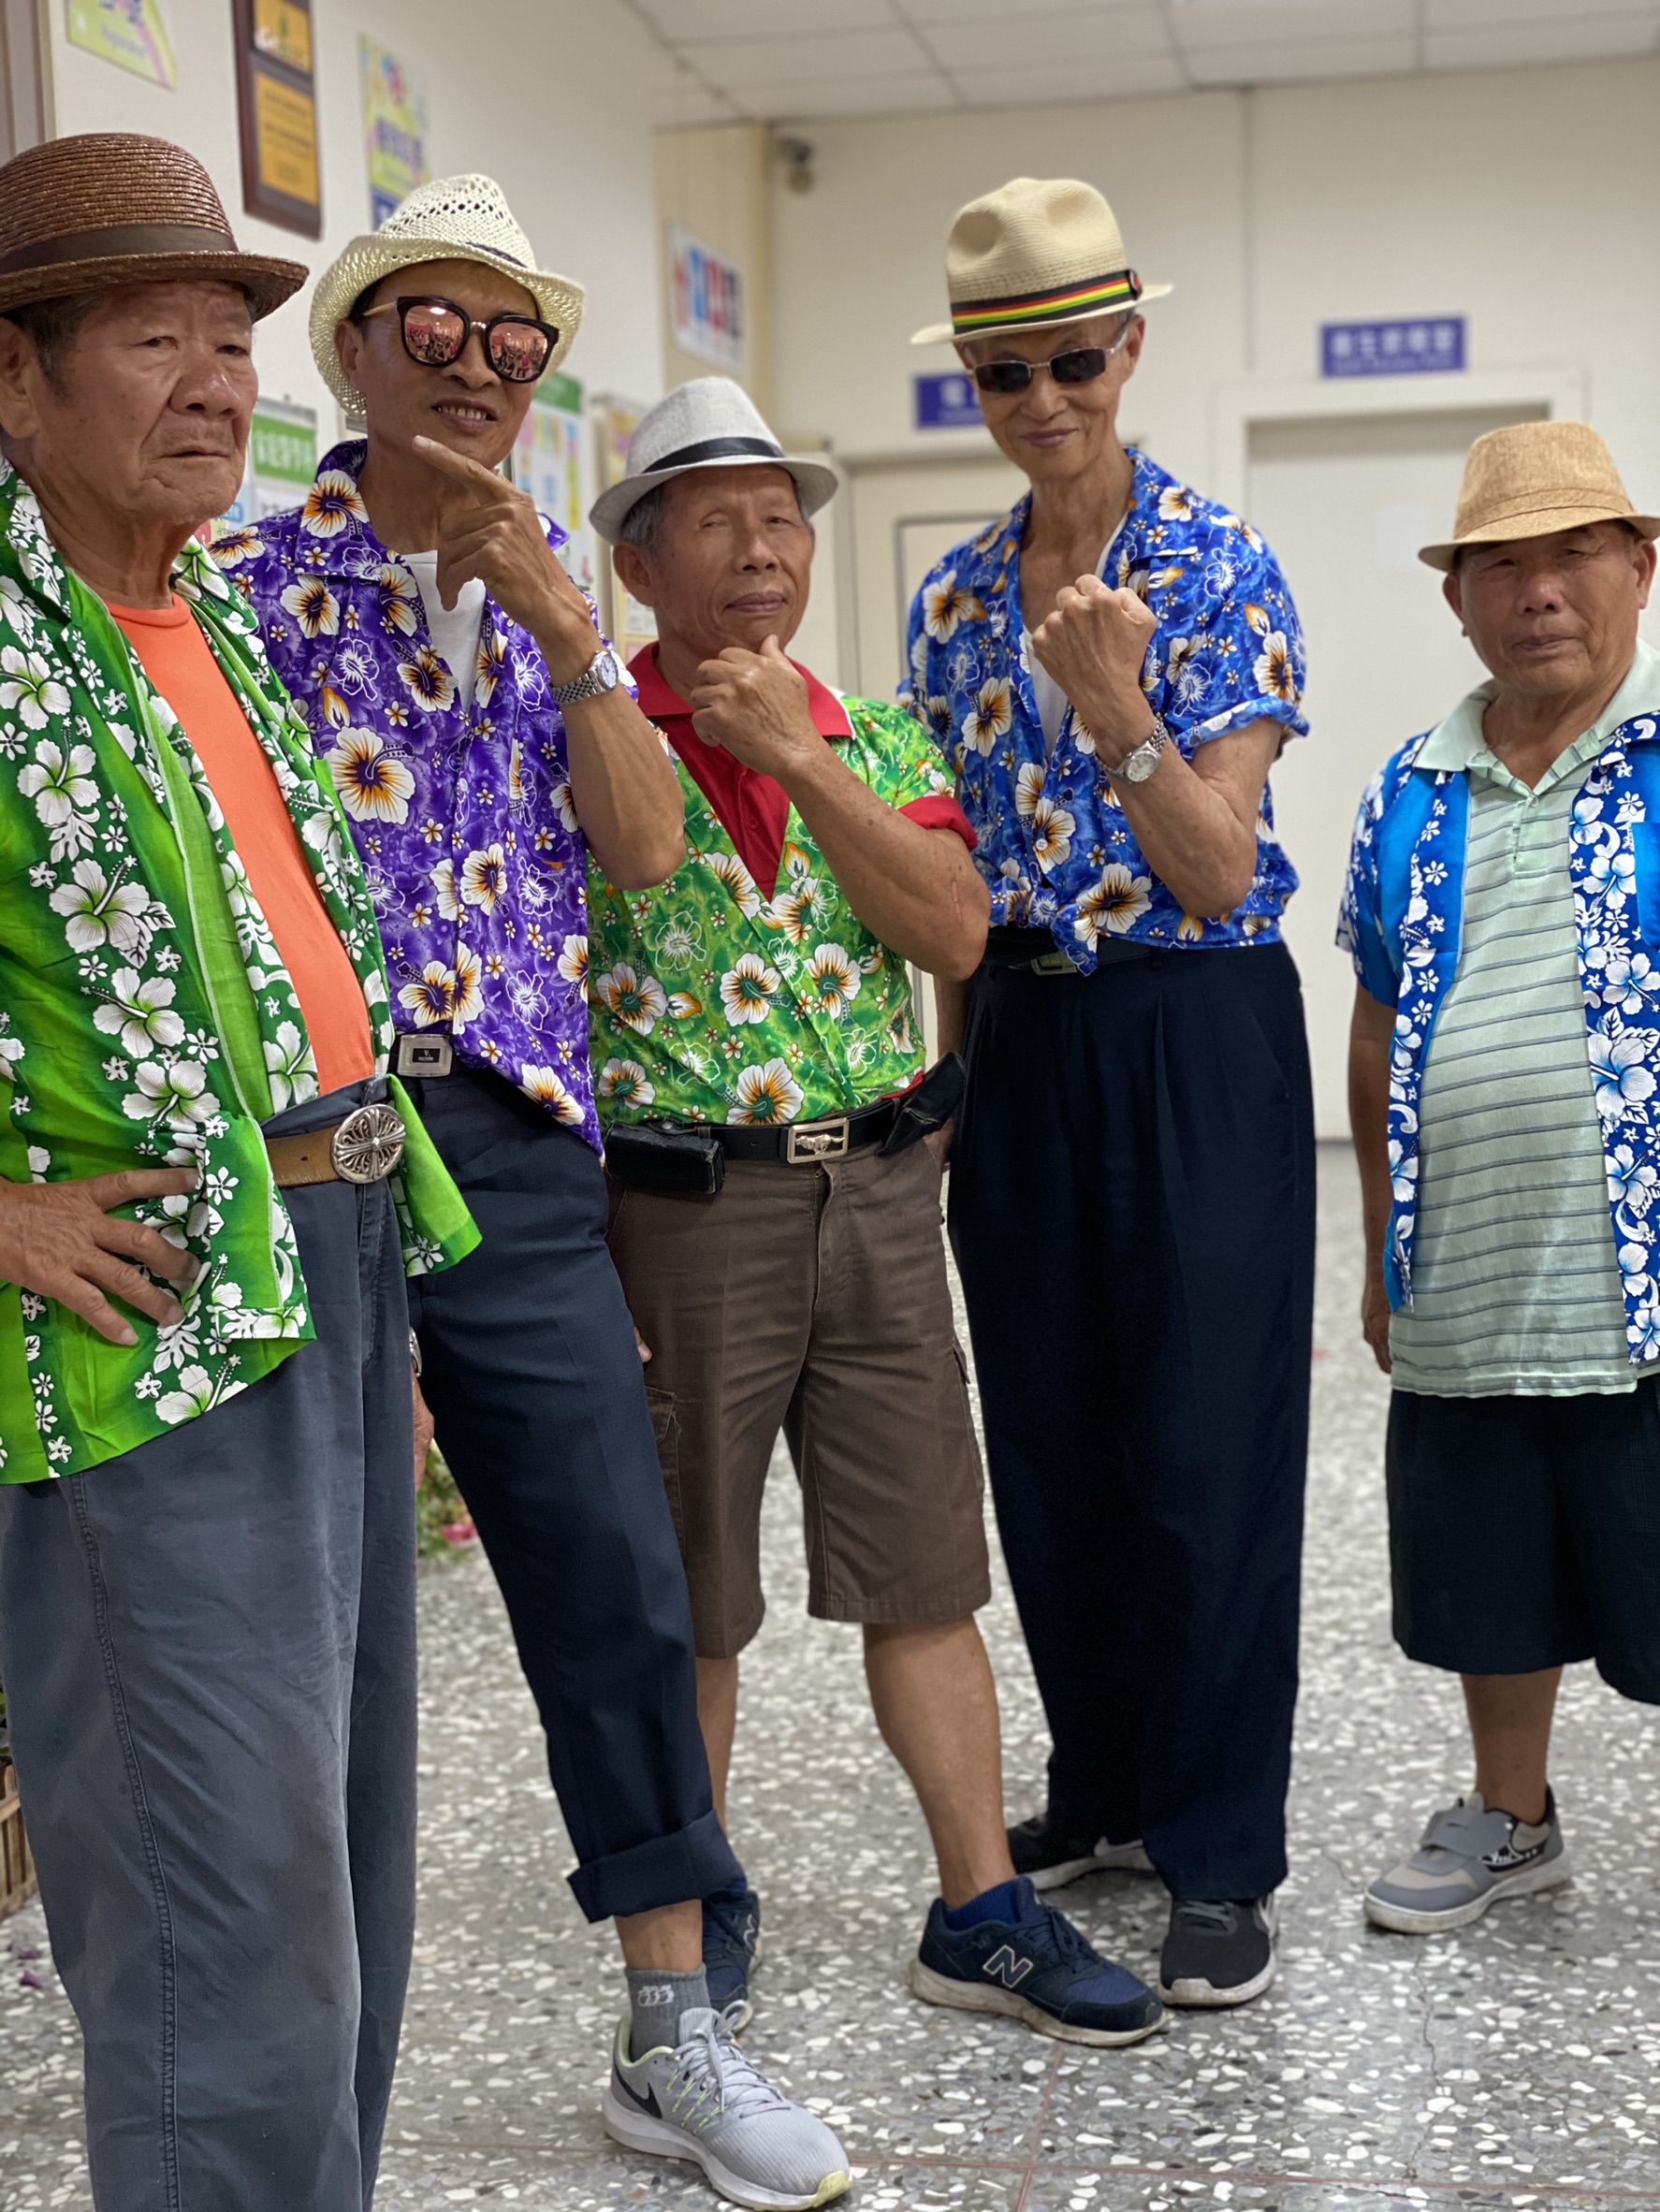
pixel 405 301
pixel 1072 353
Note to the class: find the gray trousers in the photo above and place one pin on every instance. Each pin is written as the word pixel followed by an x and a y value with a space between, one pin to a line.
pixel 207 1647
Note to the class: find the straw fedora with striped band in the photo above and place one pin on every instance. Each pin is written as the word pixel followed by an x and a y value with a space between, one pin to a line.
pixel 452 219
pixel 113 208
pixel 1531 479
pixel 1040 250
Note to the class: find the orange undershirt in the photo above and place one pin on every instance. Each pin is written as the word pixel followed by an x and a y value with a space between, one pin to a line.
pixel 179 662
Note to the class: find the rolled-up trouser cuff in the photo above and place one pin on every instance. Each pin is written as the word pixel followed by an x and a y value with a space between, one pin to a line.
pixel 669 1871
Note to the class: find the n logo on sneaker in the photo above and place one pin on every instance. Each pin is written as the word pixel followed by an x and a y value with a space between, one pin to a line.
pixel 1005 1967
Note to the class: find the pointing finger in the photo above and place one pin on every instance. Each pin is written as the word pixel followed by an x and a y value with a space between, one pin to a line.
pixel 459 466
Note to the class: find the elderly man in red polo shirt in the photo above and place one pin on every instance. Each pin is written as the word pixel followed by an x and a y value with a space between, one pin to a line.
pixel 776 1223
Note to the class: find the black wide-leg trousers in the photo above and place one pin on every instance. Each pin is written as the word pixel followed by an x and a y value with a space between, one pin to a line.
pixel 1132 1210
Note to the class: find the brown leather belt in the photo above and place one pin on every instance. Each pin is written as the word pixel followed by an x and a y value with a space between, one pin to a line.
pixel 363 1148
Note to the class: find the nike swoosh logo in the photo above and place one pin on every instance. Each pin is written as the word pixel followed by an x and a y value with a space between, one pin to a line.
pixel 646 2104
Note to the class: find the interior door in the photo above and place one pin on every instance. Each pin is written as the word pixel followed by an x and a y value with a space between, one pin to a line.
pixel 1346 502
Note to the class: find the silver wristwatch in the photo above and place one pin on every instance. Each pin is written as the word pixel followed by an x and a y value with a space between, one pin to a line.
pixel 1135 767
pixel 600 675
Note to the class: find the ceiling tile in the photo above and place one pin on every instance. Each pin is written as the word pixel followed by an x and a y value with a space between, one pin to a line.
pixel 1459 15
pixel 805 97
pixel 1297 61
pixel 1197 24
pixel 1020 43
pixel 839 55
pixel 682 20
pixel 1014 12
pixel 1580 38
pixel 1044 84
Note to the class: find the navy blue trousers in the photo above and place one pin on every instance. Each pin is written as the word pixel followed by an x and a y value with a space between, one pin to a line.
pixel 530 1367
pixel 1132 1212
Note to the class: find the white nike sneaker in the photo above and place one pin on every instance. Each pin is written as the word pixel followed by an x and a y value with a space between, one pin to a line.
pixel 707 2100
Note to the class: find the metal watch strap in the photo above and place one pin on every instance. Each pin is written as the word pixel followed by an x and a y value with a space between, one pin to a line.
pixel 601 675
pixel 1147 756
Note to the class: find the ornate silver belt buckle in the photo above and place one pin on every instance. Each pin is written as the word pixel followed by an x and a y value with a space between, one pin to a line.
pixel 368 1144
pixel 427 1053
pixel 815 1140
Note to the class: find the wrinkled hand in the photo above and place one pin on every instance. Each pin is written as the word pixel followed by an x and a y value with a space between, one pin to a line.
pixel 61 1241
pixel 424 1428
pixel 755 706
pixel 491 532
pixel 1375 1318
pixel 1094 642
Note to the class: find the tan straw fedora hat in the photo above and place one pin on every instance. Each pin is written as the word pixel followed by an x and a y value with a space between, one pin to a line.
pixel 112 207
pixel 1531 479
pixel 1040 250
pixel 452 219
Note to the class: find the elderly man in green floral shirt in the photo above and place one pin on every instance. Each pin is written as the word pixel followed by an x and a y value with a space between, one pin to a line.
pixel 777 1228
pixel 209 1197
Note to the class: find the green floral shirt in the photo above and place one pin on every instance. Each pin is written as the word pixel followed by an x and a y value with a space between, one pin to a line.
pixel 146 1018
pixel 707 1002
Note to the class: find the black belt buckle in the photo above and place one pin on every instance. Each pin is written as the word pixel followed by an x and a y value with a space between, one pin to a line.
pixel 806 1144
pixel 427 1054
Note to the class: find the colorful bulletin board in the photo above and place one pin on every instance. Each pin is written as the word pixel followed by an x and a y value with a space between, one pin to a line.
pixel 282 461
pixel 628 624
pixel 393 129
pixel 548 461
pixel 135 35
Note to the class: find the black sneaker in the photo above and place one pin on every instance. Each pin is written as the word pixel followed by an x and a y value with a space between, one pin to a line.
pixel 731 1947
pixel 1218 1953
pixel 1048 1857
pixel 1036 1967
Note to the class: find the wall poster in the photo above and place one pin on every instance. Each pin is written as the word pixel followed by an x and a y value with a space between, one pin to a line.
pixel 393 129
pixel 277 107
pixel 549 461
pixel 706 302
pixel 628 623
pixel 282 461
pixel 136 34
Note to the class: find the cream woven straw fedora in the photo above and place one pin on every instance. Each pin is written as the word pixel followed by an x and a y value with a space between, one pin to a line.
pixel 452 219
pixel 112 207
pixel 710 423
pixel 1040 250
pixel 1531 479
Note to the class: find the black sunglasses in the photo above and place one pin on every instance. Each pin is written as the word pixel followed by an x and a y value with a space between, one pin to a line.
pixel 436 332
pixel 1082 366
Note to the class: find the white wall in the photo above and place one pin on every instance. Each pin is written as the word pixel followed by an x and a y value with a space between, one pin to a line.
pixel 542 95
pixel 1524 199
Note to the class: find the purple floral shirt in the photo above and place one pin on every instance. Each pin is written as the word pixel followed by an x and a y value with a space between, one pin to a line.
pixel 469 842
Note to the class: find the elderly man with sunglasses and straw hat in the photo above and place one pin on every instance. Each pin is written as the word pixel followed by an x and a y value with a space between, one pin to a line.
pixel 209 1201
pixel 485 740
pixel 1111 670
pixel 1503 913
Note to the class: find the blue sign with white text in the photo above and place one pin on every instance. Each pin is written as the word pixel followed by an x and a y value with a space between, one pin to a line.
pixel 1419 344
pixel 946 402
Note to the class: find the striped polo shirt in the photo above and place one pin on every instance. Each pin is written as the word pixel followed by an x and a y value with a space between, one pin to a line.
pixel 1515 1284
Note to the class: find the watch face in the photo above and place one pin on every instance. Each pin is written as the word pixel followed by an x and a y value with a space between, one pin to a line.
pixel 1137 766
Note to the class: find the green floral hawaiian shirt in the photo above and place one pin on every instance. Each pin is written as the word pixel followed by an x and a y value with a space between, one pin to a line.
pixel 146 1018
pixel 707 1002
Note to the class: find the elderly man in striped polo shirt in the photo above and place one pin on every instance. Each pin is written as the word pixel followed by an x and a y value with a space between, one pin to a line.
pixel 1503 916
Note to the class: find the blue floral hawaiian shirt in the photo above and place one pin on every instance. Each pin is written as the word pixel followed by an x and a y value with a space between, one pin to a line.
pixel 1054 844
pixel 471 845
pixel 1403 911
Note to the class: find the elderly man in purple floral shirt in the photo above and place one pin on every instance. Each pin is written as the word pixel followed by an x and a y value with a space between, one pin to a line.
pixel 483 737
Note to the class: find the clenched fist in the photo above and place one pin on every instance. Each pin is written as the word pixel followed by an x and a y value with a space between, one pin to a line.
pixel 1094 643
pixel 755 704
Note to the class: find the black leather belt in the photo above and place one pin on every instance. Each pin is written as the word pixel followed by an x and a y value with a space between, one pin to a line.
pixel 803 1144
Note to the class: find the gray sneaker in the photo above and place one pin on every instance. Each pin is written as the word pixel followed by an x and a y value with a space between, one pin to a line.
pixel 1472 1855
pixel 707 2101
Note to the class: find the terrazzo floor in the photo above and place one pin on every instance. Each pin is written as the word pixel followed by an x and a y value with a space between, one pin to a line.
pixel 1514 2065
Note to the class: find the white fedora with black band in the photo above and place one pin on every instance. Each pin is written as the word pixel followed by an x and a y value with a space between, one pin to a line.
pixel 710 423
pixel 1039 250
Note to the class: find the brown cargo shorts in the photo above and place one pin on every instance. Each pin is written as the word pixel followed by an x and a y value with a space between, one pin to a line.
pixel 812 1299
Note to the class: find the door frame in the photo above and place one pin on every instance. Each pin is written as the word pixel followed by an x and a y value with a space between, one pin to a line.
pixel 1235 407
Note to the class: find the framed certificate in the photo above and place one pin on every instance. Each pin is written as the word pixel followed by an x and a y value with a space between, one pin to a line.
pixel 276 105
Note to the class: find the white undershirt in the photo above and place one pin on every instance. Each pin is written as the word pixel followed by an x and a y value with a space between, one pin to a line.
pixel 455 631
pixel 1052 700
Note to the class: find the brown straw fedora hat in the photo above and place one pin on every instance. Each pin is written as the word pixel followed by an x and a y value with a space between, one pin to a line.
pixel 1531 479
pixel 1037 251
pixel 112 207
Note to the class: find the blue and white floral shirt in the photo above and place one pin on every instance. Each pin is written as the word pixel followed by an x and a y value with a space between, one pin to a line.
pixel 1054 844
pixel 1401 923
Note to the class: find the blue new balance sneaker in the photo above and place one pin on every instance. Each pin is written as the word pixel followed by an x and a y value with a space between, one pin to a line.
pixel 731 1947
pixel 1035 1966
